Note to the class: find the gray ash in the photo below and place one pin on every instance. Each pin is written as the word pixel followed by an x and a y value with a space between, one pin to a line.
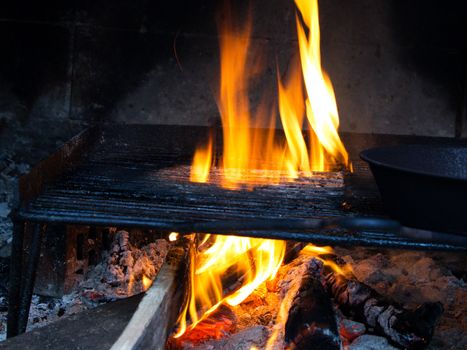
pixel 118 275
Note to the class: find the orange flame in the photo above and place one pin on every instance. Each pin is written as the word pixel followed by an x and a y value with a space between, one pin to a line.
pixel 291 109
pixel 254 156
pixel 251 261
pixel 246 147
pixel 321 107
pixel 202 163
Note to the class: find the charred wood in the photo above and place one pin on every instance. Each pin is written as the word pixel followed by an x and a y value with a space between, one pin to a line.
pixel 311 323
pixel 292 249
pixel 233 280
pixel 410 329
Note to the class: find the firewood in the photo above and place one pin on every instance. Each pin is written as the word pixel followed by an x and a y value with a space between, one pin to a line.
pixel 292 249
pixel 311 323
pixel 150 325
pixel 406 328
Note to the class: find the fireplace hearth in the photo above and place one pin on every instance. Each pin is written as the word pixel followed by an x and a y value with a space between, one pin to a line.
pixel 259 175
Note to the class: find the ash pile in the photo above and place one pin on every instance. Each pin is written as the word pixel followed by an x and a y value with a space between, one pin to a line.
pixel 126 268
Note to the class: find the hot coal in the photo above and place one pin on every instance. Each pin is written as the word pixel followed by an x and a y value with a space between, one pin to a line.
pixel 411 329
pixel 311 323
pixel 349 330
pixel 217 325
pixel 401 280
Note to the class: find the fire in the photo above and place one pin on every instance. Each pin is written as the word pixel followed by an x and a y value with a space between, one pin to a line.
pixel 246 147
pixel 252 155
pixel 202 163
pixel 173 236
pixel 247 261
pixel 321 107
pixel 147 282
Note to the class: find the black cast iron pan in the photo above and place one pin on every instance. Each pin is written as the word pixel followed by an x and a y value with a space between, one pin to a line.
pixel 423 186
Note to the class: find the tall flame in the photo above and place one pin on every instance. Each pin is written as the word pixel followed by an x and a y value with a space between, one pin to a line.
pixel 246 148
pixel 291 109
pixel 254 156
pixel 321 107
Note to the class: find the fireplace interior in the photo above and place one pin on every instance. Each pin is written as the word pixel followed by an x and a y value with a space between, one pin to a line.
pixel 176 175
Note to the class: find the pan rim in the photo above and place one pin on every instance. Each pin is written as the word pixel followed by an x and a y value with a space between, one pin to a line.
pixel 366 156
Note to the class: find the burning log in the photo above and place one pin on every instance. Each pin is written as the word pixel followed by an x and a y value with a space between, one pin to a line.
pixel 292 249
pixel 311 323
pixel 406 328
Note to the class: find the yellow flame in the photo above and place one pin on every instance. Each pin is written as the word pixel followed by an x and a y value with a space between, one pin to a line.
pixel 291 109
pixel 173 236
pixel 321 107
pixel 313 250
pixel 250 261
pixel 316 252
pixel 202 163
pixel 247 147
pixel 147 282
pixel 252 155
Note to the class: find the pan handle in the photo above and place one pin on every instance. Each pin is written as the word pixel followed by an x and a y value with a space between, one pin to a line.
pixel 367 224
pixel 290 225
pixel 350 223
pixel 433 236
pixel 387 225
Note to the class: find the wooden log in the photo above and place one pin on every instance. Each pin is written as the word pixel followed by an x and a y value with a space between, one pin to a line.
pixel 152 322
pixel 406 328
pixel 292 250
pixel 311 323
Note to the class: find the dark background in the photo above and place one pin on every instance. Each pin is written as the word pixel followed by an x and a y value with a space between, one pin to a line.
pixel 397 66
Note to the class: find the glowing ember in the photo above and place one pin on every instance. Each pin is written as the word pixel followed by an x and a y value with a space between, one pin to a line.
pixel 147 282
pixel 173 236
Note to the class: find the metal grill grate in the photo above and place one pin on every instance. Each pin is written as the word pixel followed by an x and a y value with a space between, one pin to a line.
pixel 138 176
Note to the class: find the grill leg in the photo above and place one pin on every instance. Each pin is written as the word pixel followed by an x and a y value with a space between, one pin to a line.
pixel 29 276
pixel 16 263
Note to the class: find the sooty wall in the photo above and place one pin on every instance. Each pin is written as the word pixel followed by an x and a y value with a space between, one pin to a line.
pixel 397 66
